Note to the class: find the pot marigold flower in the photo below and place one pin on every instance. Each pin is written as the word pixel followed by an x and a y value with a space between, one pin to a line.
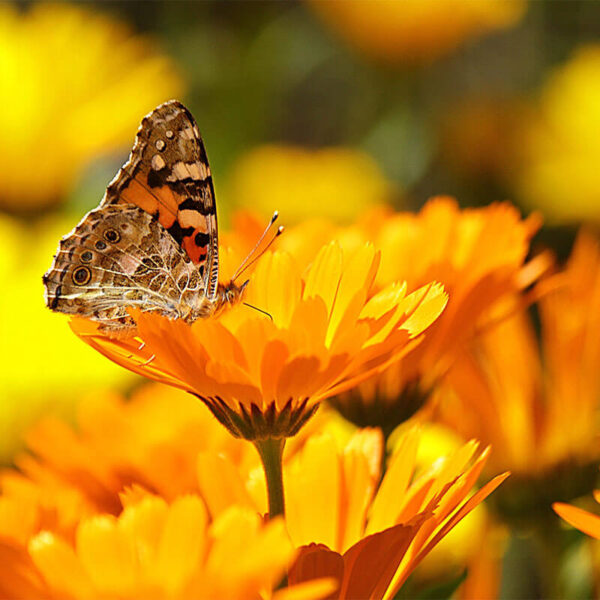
pixel 479 255
pixel 366 532
pixel 153 549
pixel 264 377
pixel 97 91
pixel 537 404
pixel 415 31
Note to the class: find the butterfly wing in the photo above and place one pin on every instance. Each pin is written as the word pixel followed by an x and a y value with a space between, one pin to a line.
pixel 168 176
pixel 119 257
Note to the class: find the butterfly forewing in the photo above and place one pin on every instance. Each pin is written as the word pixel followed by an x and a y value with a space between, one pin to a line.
pixel 168 176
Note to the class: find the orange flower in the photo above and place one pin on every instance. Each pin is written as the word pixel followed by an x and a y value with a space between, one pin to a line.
pixel 479 255
pixel 366 532
pixel 538 406
pixel 264 377
pixel 165 551
pixel 150 442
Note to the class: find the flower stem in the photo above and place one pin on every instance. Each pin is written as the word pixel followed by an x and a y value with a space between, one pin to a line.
pixel 271 455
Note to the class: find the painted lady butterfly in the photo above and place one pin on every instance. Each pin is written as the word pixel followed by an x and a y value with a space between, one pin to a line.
pixel 152 243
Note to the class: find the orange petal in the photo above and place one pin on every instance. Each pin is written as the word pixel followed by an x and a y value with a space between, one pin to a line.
pixel 579 518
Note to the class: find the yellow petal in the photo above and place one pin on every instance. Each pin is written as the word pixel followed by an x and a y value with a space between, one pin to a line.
pixel 182 543
pixel 388 501
pixel 324 274
pixel 107 555
pixel 220 483
pixel 59 565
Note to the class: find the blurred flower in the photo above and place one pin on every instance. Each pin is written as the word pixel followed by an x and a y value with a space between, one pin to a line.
pixel 150 442
pixel 63 102
pixel 338 183
pixel 415 31
pixel 368 533
pixel 158 550
pixel 538 406
pixel 43 367
pixel 264 377
pixel 562 144
pixel 480 256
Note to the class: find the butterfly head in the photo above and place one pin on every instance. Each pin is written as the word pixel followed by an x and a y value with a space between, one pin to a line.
pixel 230 294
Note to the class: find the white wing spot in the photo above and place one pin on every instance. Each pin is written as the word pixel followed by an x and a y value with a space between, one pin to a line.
pixel 158 162
pixel 169 134
pixel 160 145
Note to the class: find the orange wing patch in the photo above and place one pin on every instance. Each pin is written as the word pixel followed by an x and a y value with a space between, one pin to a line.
pixel 168 176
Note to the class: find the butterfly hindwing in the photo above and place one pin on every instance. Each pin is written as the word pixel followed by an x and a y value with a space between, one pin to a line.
pixel 120 257
pixel 168 176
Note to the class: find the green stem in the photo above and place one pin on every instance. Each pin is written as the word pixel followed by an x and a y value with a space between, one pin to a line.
pixel 271 455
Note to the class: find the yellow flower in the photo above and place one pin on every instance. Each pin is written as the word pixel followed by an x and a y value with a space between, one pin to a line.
pixel 479 255
pixel 415 31
pixel 368 533
pixel 264 377
pixel 538 406
pixel 43 368
pixel 562 145
pixel 73 85
pixel 158 550
pixel 338 183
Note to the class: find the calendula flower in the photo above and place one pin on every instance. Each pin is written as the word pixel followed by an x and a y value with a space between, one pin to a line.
pixel 366 532
pixel 536 402
pixel 153 549
pixel 263 377
pixel 480 256
pixel 336 182
pixel 518 396
pixel 149 442
pixel 64 101
pixel 415 31
pixel 561 144
pixel 44 368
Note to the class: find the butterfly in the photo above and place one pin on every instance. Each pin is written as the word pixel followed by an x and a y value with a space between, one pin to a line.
pixel 152 243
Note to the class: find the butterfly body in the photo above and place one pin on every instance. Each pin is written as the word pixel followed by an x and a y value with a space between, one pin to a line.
pixel 152 243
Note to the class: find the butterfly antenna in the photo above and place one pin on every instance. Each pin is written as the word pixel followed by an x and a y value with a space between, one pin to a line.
pixel 260 310
pixel 250 258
